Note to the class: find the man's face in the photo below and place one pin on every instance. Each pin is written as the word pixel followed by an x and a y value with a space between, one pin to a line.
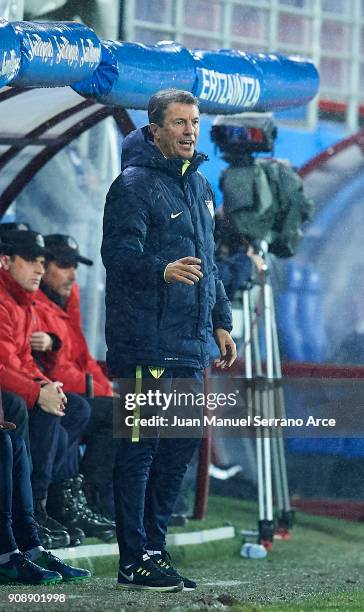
pixel 60 278
pixel 178 135
pixel 27 273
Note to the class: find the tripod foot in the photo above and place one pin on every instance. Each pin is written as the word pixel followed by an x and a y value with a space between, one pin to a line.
pixel 282 534
pixel 268 544
pixel 286 520
pixel 266 533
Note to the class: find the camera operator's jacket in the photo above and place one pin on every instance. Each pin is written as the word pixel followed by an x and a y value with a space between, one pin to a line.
pixel 154 215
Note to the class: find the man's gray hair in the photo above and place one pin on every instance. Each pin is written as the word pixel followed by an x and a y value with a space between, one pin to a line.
pixel 159 102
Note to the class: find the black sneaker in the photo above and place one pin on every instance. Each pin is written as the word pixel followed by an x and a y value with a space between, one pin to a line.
pixel 146 575
pixel 20 569
pixel 164 561
pixel 68 573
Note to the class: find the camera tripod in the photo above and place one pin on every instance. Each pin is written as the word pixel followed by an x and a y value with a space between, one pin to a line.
pixel 265 399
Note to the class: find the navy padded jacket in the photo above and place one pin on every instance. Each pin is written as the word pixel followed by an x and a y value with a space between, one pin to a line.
pixel 153 216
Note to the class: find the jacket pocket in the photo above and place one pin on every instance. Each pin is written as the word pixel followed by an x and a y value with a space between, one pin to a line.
pixel 179 310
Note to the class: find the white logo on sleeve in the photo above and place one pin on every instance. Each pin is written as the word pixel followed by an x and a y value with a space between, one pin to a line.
pixel 175 215
pixel 210 206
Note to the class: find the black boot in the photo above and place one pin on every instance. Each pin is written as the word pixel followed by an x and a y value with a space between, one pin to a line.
pixel 64 503
pixel 101 500
pixel 58 533
pixel 56 505
pixel 45 537
pixel 79 495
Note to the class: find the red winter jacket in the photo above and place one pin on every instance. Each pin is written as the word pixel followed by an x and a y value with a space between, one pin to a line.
pixel 72 361
pixel 19 374
pixel 1 405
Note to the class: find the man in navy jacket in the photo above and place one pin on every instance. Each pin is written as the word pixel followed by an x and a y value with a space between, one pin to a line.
pixel 164 299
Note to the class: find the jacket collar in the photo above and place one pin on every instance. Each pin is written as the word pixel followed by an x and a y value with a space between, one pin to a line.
pixel 49 304
pixel 46 296
pixel 53 296
pixel 20 295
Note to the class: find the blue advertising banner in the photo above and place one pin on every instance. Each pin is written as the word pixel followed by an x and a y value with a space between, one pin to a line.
pixel 9 53
pixel 224 81
pixel 142 70
pixel 127 74
pixel 55 54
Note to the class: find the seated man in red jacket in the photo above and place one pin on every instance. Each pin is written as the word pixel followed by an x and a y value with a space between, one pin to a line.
pixel 58 308
pixel 58 311
pixel 56 422
pixel 22 556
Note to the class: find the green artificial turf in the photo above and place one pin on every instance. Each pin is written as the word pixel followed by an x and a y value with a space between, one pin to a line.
pixel 320 568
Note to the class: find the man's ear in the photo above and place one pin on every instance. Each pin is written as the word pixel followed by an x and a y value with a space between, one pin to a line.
pixel 154 128
pixel 4 261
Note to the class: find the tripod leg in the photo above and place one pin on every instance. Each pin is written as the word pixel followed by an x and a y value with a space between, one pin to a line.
pixel 286 514
pixel 248 370
pixel 271 361
pixel 248 302
pixel 265 524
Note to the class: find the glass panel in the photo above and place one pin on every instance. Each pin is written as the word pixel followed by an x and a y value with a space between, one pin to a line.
pixel 151 37
pixel 13 167
pixel 295 30
pixel 361 81
pixel 334 74
pixel 158 11
pixel 337 6
pixel 12 9
pixel 4 8
pixel 203 15
pixel 335 36
pixel 200 42
pixel 250 47
pixel 304 4
pixel 249 22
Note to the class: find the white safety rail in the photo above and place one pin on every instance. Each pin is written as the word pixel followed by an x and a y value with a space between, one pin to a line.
pixel 330 32
pixel 174 539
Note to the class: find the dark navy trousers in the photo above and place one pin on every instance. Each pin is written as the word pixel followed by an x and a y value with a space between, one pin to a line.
pixel 54 443
pixel 16 411
pixel 98 459
pixel 17 525
pixel 148 474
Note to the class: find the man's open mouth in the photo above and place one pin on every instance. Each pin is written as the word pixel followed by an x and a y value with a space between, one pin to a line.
pixel 186 143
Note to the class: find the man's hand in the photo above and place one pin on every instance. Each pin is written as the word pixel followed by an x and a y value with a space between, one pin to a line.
pixel 257 260
pixel 7 425
pixel 52 399
pixel 186 270
pixel 227 348
pixel 40 341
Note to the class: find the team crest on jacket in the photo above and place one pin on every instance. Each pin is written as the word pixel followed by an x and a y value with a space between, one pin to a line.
pixel 156 372
pixel 210 206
